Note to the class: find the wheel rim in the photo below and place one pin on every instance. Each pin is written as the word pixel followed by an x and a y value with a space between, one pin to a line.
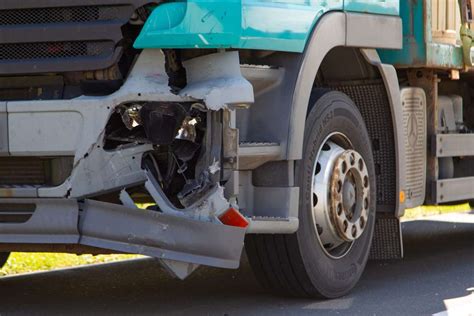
pixel 340 195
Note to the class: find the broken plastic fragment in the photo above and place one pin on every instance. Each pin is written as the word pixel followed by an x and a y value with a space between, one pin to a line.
pixel 232 217
pixel 215 167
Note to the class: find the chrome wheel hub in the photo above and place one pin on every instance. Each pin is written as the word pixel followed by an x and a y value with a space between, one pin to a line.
pixel 341 193
pixel 349 191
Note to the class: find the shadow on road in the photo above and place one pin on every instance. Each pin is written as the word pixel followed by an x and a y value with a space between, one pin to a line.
pixel 438 266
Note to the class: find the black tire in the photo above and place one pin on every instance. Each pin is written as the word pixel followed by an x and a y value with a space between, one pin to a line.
pixel 297 264
pixel 3 258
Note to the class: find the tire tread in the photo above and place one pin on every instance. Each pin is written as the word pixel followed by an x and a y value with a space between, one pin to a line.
pixel 276 259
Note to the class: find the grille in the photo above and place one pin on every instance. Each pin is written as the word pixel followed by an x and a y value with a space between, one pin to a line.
pixel 58 38
pixel 32 171
pixel 57 50
pixel 60 15
pixel 22 170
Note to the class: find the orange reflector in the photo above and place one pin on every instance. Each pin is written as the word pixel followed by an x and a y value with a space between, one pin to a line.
pixel 402 197
pixel 232 217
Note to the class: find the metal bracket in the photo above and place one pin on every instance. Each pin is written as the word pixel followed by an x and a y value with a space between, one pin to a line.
pixel 180 270
pixel 450 190
pixel 163 236
pixel 206 209
pixel 452 145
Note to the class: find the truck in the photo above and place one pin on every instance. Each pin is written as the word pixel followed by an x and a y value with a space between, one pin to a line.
pixel 189 130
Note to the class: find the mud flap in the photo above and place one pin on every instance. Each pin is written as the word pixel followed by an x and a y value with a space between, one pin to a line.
pixel 158 235
pixel 387 240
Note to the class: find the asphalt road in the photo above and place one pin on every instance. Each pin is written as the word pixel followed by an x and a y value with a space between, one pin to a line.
pixel 435 276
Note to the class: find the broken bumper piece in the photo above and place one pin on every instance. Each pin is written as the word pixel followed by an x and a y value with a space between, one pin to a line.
pixel 180 243
pixel 155 234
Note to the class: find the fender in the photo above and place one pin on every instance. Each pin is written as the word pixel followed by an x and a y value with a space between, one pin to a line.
pixel 345 29
pixel 390 78
pixel 242 24
pixel 335 30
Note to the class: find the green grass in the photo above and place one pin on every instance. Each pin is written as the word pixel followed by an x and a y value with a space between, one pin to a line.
pixel 32 262
pixel 435 210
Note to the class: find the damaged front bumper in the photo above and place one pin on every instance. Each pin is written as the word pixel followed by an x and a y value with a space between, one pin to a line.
pixel 76 128
pixel 180 238
pixel 160 235
pixel 119 228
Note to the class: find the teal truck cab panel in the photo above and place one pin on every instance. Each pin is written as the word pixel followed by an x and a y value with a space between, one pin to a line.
pixel 388 7
pixel 419 48
pixel 245 24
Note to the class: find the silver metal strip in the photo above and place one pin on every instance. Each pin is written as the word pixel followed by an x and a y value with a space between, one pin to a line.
pixel 159 235
pixel 458 189
pixel 273 226
pixel 453 145
pixel 53 221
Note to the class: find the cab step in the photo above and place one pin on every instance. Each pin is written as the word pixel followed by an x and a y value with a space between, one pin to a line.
pixel 272 225
pixel 255 154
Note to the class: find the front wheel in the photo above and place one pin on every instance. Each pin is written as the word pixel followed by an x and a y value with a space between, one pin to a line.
pixel 336 176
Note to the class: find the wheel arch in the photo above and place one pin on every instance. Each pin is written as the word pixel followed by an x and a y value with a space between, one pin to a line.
pixel 336 29
pixel 392 88
pixel 358 34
